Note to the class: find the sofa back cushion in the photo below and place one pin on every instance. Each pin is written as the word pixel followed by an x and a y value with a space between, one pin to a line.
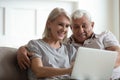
pixel 9 69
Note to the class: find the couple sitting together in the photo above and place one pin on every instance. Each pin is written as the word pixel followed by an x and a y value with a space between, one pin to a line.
pixel 52 57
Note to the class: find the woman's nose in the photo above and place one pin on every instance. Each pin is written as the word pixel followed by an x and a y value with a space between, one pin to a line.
pixel 65 28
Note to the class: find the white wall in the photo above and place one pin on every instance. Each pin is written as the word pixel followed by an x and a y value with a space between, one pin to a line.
pixel 116 18
pixel 23 20
pixel 105 14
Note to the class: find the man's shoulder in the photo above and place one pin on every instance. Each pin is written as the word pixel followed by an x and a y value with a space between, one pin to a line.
pixel 104 33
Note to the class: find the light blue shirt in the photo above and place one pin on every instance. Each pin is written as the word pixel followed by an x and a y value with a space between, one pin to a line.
pixel 51 57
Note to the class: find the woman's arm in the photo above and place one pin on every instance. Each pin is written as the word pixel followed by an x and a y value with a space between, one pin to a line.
pixel 44 71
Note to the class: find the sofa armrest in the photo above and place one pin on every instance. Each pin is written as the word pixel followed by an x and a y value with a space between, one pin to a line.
pixel 9 69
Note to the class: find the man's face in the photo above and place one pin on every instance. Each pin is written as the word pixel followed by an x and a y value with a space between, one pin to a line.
pixel 82 29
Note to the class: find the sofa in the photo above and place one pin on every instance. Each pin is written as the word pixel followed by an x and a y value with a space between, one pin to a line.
pixel 9 69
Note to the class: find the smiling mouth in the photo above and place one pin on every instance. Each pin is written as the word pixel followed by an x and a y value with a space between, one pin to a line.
pixel 61 34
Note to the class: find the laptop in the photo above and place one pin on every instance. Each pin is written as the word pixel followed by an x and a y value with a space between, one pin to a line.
pixel 93 64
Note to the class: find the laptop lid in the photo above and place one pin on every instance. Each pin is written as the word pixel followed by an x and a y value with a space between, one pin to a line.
pixel 93 64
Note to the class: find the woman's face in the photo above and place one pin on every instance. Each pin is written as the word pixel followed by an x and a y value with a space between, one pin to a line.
pixel 59 27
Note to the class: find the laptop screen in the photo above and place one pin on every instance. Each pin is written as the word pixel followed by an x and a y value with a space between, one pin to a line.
pixel 93 64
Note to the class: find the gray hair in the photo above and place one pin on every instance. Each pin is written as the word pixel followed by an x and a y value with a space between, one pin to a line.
pixel 56 12
pixel 80 13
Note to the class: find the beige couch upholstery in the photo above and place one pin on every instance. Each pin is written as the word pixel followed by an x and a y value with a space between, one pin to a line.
pixel 9 69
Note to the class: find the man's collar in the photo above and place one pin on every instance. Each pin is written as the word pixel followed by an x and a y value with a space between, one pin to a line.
pixel 94 36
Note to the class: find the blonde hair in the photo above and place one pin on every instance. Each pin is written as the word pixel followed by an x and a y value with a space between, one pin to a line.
pixel 56 12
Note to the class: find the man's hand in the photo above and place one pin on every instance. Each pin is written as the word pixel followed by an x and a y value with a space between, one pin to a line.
pixel 115 48
pixel 23 57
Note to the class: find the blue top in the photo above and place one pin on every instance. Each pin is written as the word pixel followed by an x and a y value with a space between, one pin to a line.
pixel 51 57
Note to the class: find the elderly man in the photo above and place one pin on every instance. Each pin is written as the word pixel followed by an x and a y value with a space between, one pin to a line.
pixel 83 35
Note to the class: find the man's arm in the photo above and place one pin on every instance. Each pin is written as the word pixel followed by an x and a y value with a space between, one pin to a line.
pixel 115 48
pixel 23 57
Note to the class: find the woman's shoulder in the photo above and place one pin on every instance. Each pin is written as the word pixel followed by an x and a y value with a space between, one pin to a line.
pixel 69 46
pixel 66 44
pixel 35 40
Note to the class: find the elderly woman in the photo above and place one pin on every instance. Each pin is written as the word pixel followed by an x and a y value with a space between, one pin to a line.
pixel 52 59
